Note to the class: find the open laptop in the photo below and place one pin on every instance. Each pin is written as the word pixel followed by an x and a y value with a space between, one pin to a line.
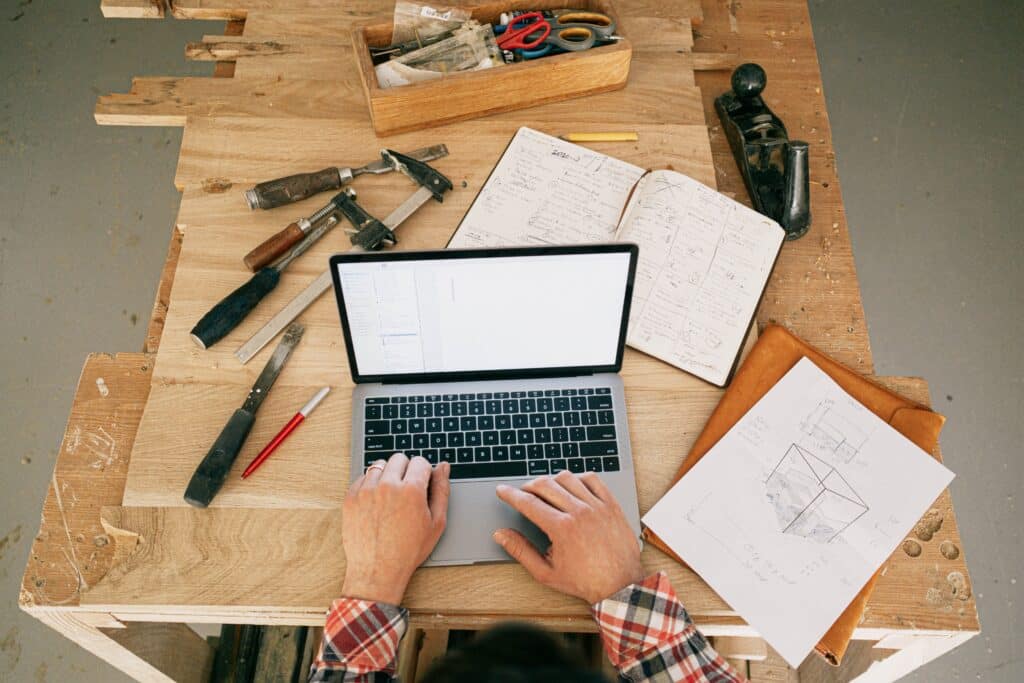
pixel 502 362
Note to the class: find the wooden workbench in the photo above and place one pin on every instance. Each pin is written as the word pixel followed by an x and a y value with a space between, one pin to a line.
pixel 119 565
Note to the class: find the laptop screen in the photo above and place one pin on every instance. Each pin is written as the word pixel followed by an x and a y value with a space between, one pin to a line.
pixel 472 314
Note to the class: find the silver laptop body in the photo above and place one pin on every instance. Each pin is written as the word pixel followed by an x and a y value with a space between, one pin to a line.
pixel 415 396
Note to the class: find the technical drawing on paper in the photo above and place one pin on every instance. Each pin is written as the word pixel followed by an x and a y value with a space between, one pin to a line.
pixel 810 498
pixel 829 430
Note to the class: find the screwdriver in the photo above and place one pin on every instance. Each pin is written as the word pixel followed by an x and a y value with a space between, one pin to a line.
pixel 293 188
pixel 232 309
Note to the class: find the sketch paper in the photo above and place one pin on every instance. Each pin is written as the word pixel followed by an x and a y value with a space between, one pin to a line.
pixel 704 258
pixel 793 510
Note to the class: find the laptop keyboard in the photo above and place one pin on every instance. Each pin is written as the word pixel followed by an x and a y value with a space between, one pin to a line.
pixel 497 434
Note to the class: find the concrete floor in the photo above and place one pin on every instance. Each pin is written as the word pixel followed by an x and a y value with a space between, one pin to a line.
pixel 922 97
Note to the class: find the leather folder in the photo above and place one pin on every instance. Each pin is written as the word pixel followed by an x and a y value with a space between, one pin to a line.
pixel 774 354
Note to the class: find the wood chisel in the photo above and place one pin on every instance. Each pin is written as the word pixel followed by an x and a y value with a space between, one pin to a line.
pixel 293 188
pixel 213 470
pixel 432 184
pixel 232 309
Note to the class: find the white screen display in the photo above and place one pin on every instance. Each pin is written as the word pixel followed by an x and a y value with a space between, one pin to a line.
pixel 485 314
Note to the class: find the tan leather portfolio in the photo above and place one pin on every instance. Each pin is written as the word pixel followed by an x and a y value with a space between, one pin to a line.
pixel 774 354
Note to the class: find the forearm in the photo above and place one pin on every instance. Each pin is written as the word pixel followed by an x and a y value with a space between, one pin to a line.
pixel 360 643
pixel 648 636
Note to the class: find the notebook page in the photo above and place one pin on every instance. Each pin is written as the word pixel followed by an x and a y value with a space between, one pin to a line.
pixel 547 191
pixel 704 261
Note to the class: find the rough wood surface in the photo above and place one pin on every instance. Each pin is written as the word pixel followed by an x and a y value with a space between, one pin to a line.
pixel 133 9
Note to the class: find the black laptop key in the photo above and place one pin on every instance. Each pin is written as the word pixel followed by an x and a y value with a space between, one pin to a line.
pixel 411 454
pixel 586 392
pixel 551 392
pixel 389 412
pixel 544 405
pixel 592 464
pixel 417 399
pixel 399 427
pixel 482 454
pixel 572 419
pixel 517 452
pixel 451 424
pixel 603 390
pixel 398 399
pixel 442 410
pixel 589 417
pixel 570 450
pixel 558 465
pixel 518 394
pixel 420 441
pixel 577 433
pixel 606 417
pixel 456 439
pixel 536 392
pixel 447 455
pixel 468 424
pixel 474 439
pixel 610 463
pixel 407 410
pixel 438 441
pixel 425 410
pixel 535 452
pixel 371 458
pixel 434 424
pixel 510 405
pixel 450 397
pixel 599 402
pixel 464 454
pixel 560 434
pixel 403 442
pixel 476 407
pixel 561 404
pixel 377 400
pixel 490 438
pixel 503 422
pixel 499 453
pixel 466 397
pixel 507 437
pixel 520 421
pixel 524 436
pixel 489 469
pixel 373 412
pixel 485 422
pixel 536 420
pixel 599 433
pixel 484 395
pixel 377 427
pixel 528 405
pixel 416 425
pixel 460 408
pixel 578 403
pixel 380 443
pixel 434 398
pixel 577 465
pixel 493 407
pixel 592 448
pixel 542 435
pixel 538 467
pixel 552 450
pixel 501 394
pixel 554 419
pixel 431 455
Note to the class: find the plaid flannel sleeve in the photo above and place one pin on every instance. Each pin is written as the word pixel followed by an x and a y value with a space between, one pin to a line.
pixel 360 643
pixel 648 636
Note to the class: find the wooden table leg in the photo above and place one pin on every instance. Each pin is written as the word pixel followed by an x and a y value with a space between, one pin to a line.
pixel 144 651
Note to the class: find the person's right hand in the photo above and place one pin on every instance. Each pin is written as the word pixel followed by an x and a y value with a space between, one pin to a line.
pixel 594 552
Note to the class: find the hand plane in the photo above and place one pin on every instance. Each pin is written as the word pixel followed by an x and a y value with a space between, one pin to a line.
pixel 774 168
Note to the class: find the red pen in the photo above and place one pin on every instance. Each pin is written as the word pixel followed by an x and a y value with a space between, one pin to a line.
pixel 285 431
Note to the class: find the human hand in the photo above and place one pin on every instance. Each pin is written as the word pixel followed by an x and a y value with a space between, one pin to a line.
pixel 393 517
pixel 593 552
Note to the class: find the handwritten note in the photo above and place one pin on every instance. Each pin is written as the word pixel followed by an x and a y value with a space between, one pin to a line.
pixel 793 510
pixel 704 261
pixel 704 258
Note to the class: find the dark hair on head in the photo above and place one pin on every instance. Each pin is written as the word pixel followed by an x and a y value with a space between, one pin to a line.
pixel 512 653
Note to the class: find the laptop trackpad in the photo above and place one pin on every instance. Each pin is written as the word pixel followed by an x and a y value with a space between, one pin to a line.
pixel 474 513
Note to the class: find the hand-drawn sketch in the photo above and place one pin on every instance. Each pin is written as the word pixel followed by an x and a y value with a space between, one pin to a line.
pixel 830 430
pixel 810 498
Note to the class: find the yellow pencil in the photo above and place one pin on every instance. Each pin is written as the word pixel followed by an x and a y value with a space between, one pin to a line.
pixel 601 137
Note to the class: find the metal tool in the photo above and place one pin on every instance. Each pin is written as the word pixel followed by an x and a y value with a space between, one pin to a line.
pixel 293 188
pixel 432 184
pixel 213 470
pixel 774 168
pixel 276 245
pixel 524 32
pixel 232 309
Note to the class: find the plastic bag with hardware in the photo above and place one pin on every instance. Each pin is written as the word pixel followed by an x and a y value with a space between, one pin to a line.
pixel 414 21
pixel 471 48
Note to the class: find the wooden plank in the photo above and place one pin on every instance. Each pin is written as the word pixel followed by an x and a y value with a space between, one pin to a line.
pixel 813 290
pixel 173 649
pixel 773 669
pixel 737 647
pixel 281 653
pixel 155 328
pixel 133 9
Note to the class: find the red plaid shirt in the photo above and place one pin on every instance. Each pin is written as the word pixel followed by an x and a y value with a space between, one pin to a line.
pixel 646 633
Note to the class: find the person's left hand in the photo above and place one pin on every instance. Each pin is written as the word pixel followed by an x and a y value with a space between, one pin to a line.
pixel 393 518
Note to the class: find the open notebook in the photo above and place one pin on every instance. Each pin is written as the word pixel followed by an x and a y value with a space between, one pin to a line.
pixel 704 258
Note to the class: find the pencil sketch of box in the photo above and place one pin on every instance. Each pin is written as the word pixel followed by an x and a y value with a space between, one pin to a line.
pixel 810 498
pixel 830 430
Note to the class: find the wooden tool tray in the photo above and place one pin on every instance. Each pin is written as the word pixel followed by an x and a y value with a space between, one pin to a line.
pixel 472 94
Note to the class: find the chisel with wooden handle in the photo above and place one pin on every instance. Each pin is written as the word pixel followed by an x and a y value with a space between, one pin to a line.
pixel 213 469
pixel 293 188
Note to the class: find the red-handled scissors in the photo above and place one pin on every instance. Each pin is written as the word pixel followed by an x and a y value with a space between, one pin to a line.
pixel 525 32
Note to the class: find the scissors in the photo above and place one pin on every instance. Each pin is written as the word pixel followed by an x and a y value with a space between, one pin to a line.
pixel 525 32
pixel 571 31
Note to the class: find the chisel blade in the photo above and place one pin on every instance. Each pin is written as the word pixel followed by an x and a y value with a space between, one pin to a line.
pixel 272 369
pixel 421 154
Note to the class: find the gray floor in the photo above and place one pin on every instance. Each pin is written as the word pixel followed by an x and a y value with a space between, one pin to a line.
pixel 922 97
